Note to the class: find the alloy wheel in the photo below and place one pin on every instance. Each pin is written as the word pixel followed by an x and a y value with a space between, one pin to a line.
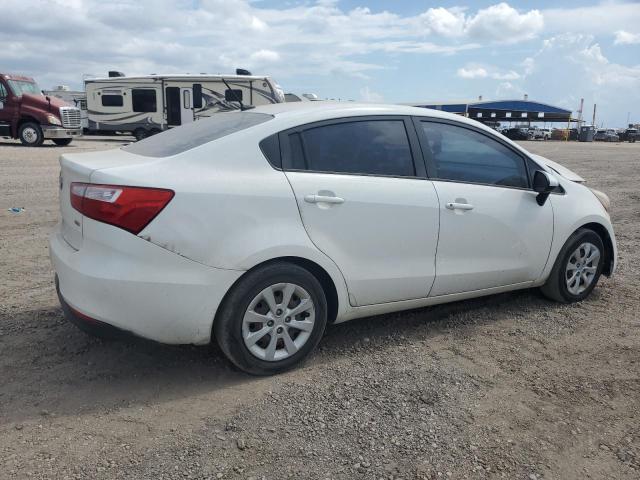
pixel 582 267
pixel 278 322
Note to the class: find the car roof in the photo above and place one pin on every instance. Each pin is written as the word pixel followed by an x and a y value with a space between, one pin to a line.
pixel 300 108
pixel 289 115
pixel 331 110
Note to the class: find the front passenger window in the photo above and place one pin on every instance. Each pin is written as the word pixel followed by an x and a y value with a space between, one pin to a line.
pixel 464 155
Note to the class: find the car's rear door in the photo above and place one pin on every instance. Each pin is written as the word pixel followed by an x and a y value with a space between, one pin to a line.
pixel 493 233
pixel 365 202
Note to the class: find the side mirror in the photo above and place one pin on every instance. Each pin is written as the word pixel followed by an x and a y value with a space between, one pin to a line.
pixel 544 183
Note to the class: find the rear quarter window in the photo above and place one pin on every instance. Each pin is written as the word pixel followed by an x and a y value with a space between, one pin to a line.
pixel 192 135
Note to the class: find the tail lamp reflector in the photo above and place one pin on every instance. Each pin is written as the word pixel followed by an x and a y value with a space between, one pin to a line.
pixel 129 208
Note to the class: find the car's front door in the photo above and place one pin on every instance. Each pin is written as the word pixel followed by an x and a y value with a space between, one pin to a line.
pixel 366 204
pixel 493 233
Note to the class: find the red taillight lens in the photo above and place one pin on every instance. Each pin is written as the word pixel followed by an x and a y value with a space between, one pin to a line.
pixel 130 208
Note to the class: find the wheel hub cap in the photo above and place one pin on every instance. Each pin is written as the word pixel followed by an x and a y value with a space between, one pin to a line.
pixel 278 321
pixel 581 268
pixel 29 135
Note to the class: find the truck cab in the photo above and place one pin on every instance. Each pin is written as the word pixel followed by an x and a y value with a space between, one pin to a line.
pixel 28 115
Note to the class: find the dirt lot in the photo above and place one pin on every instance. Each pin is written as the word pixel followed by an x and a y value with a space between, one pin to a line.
pixel 510 386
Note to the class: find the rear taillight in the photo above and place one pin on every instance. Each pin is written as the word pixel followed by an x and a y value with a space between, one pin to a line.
pixel 130 208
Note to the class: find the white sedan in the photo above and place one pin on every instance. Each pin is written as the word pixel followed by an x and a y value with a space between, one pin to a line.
pixel 257 228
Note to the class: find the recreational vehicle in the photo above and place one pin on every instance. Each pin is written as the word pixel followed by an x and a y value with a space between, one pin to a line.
pixel 148 104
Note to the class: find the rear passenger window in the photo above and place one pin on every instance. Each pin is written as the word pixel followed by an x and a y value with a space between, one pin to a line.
pixel 370 147
pixel 463 155
pixel 270 147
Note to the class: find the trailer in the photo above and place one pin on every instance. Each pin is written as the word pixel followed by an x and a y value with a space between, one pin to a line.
pixel 149 104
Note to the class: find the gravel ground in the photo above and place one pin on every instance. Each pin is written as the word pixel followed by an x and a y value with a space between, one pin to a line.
pixel 509 386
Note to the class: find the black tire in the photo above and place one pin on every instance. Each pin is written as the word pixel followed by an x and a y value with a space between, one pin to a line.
pixel 556 286
pixel 30 134
pixel 227 328
pixel 140 134
pixel 155 131
pixel 62 142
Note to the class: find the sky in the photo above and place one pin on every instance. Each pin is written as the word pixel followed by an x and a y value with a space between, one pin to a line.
pixel 556 51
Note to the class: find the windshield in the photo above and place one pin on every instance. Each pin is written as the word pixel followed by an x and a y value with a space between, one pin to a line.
pixel 20 86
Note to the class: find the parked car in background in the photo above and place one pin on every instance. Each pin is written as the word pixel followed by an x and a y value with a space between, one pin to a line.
pixel 629 135
pixel 559 134
pixel 28 115
pixel 256 229
pixel 516 134
pixel 536 133
pixel 606 136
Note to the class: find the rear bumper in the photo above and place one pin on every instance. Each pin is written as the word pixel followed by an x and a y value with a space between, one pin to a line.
pixel 87 324
pixel 138 287
pixel 61 132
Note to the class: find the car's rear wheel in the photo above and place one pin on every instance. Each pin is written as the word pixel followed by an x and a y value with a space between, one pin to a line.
pixel 577 268
pixel 272 319
pixel 62 142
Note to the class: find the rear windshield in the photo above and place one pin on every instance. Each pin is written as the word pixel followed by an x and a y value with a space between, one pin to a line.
pixel 186 137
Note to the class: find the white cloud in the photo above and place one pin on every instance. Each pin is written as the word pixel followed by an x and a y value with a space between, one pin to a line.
pixel 508 90
pixel 367 95
pixel 313 38
pixel 509 75
pixel 602 18
pixel 626 38
pixel 569 67
pixel 497 23
pixel 265 56
pixel 504 22
pixel 445 22
pixel 472 72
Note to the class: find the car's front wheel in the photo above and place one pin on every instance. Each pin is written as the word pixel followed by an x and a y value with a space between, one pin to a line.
pixel 272 319
pixel 30 134
pixel 577 268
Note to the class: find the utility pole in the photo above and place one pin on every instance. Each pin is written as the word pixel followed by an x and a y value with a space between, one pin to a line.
pixel 628 118
pixel 593 121
pixel 580 112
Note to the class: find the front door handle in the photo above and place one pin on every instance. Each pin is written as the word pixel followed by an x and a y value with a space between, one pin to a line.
pixel 322 199
pixel 459 206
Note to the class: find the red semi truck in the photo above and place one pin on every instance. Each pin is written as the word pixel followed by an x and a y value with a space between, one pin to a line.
pixel 27 114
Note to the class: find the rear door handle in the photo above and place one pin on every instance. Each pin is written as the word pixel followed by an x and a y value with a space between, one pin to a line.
pixel 322 199
pixel 459 206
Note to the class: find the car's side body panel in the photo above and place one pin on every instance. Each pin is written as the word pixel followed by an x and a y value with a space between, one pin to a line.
pixel 233 211
pixel 576 208
pixel 383 237
pixel 122 280
pixel 504 240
